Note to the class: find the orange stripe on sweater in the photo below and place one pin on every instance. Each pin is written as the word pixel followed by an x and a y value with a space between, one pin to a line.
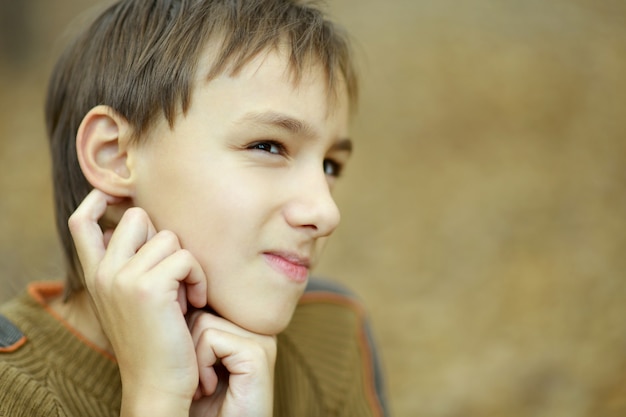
pixel 15 346
pixel 40 291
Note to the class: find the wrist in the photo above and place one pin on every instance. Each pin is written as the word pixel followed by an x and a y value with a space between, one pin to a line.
pixel 145 401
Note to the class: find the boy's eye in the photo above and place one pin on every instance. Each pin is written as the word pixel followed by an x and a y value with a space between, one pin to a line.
pixel 332 168
pixel 269 146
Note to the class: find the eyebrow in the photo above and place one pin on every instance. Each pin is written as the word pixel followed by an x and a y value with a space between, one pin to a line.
pixel 280 120
pixel 343 145
pixel 292 125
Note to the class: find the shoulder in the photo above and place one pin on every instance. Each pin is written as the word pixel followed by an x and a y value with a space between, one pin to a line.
pixel 23 391
pixel 53 372
pixel 326 286
pixel 18 355
pixel 18 317
pixel 328 347
pixel 13 322
pixel 330 312
pixel 11 337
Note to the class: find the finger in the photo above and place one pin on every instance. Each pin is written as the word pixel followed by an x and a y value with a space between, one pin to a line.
pixel 207 359
pixel 202 320
pixel 151 229
pixel 191 320
pixel 198 394
pixel 107 237
pixel 131 233
pixel 183 267
pixel 84 228
pixel 190 273
pixel 182 298
pixel 241 356
pixel 150 254
pixel 248 378
pixel 206 371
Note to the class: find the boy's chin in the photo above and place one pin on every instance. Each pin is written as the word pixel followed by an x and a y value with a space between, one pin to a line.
pixel 260 325
pixel 266 327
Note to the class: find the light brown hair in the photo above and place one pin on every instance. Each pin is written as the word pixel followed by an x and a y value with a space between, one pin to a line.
pixel 140 58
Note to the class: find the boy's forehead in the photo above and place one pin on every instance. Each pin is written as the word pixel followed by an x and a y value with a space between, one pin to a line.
pixel 214 62
pixel 277 59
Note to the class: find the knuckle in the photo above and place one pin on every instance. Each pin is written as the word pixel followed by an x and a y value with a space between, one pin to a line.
pixel 134 214
pixel 101 279
pixel 168 237
pixel 210 333
pixel 129 284
pixel 186 256
pixel 205 320
pixel 269 346
pixel 258 351
pixel 74 221
pixel 143 289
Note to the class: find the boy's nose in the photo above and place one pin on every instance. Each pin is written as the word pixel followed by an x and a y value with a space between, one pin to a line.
pixel 312 205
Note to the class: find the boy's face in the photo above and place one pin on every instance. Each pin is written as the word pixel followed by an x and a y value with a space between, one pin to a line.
pixel 244 179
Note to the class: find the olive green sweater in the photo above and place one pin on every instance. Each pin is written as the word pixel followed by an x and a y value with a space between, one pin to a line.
pixel 325 365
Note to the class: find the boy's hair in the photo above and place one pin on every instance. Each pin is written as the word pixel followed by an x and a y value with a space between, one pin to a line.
pixel 140 58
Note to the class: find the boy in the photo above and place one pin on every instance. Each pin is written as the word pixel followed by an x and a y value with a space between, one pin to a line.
pixel 195 145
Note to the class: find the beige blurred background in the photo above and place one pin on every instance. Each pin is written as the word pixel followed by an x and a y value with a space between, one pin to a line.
pixel 483 212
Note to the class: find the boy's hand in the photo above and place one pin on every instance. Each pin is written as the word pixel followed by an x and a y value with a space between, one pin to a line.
pixel 236 368
pixel 139 282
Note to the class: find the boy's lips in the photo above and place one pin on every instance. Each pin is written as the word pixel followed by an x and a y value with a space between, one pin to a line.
pixel 294 266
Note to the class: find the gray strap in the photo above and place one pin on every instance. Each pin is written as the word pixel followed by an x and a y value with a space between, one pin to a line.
pixel 9 334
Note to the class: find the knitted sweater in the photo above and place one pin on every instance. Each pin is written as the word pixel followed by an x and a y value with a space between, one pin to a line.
pixel 325 365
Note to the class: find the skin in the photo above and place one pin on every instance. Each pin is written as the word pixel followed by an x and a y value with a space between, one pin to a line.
pixel 229 209
pixel 236 199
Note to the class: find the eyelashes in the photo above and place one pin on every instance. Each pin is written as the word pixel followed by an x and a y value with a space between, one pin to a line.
pixel 331 167
pixel 269 146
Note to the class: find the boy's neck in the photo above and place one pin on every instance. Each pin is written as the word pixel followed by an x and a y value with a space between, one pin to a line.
pixel 79 314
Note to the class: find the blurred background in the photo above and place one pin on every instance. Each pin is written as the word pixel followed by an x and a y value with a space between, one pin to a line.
pixel 483 211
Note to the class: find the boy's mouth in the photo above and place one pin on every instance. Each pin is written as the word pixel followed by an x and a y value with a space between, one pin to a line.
pixel 293 265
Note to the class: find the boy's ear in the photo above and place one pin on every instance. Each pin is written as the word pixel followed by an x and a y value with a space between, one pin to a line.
pixel 102 144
